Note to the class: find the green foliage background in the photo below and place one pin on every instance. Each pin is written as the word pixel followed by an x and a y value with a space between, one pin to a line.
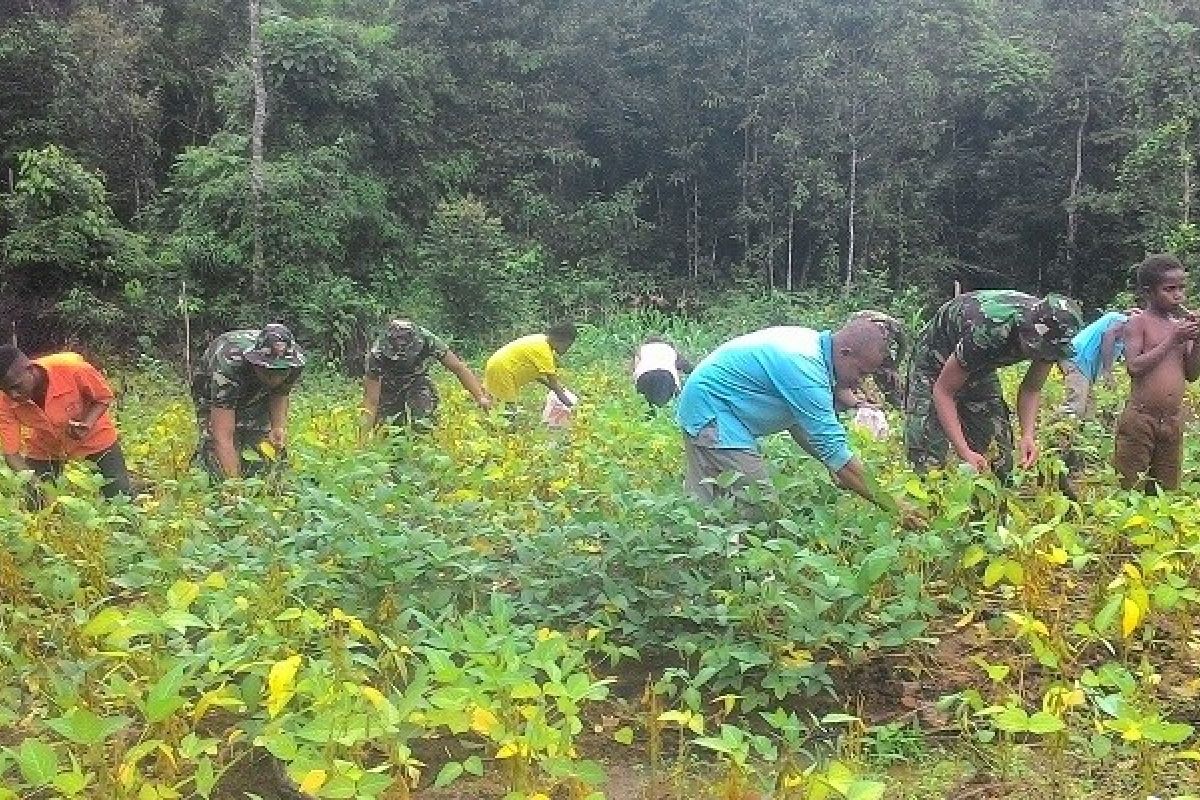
pixel 491 165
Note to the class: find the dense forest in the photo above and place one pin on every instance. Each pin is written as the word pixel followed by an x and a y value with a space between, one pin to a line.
pixel 484 162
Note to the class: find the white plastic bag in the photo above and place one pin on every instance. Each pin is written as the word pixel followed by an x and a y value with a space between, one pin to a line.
pixel 555 414
pixel 873 421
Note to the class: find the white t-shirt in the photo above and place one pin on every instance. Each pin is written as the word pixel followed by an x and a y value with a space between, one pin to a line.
pixel 656 355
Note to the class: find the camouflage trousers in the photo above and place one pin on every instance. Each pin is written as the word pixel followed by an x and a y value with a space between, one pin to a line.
pixel 411 402
pixel 248 438
pixel 985 416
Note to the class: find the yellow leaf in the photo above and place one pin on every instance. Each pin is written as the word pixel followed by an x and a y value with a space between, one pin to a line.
pixel 507 750
pixel 281 683
pixel 1057 556
pixel 1136 521
pixel 215 580
pixel 483 720
pixel 1131 615
pixel 314 779
pixel 268 450
pixel 374 695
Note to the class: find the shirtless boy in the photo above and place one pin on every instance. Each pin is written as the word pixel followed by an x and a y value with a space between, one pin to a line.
pixel 1161 355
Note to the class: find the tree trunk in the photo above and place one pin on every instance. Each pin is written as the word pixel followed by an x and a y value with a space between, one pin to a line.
pixel 850 220
pixel 258 273
pixel 747 131
pixel 1186 158
pixel 1076 184
pixel 771 246
pixel 791 243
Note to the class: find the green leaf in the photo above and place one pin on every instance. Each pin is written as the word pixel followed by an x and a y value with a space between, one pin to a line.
pixel 71 783
pixel 205 777
pixel 865 790
pixel 1167 732
pixel 38 762
pixel 182 594
pixel 449 773
pixel 473 765
pixel 1044 722
pixel 82 726
pixel 104 623
pixel 623 735
pixel 164 699
pixel 973 556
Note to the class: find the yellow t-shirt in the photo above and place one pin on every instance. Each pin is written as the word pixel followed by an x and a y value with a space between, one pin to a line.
pixel 516 364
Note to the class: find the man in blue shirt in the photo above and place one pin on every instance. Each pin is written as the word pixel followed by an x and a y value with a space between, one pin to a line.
pixel 1097 347
pixel 778 379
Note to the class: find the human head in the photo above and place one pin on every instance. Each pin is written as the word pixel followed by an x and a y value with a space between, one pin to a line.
pixel 1047 327
pixel 274 355
pixel 18 376
pixel 860 348
pixel 561 336
pixel 402 340
pixel 1161 281
pixel 887 378
pixel 274 348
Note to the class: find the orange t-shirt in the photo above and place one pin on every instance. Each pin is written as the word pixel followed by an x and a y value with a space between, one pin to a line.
pixel 72 384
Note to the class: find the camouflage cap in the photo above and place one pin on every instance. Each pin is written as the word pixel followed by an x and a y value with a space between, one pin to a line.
pixel 275 348
pixel 1048 326
pixel 887 377
pixel 401 341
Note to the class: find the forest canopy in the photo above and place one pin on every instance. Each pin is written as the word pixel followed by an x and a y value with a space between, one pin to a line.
pixel 490 163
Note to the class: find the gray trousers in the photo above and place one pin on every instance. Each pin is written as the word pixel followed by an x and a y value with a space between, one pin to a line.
pixel 706 462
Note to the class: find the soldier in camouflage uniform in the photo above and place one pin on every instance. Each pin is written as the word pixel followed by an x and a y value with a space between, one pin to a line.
pixel 240 389
pixel 396 384
pixel 954 397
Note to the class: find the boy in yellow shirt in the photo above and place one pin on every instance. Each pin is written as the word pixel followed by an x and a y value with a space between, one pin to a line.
pixel 528 359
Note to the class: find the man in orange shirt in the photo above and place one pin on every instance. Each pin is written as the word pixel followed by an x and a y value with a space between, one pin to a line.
pixel 54 409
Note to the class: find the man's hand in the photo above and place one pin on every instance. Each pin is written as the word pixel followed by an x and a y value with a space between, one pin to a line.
pixel 1184 330
pixel 1029 451
pixel 912 518
pixel 278 438
pixel 78 430
pixel 976 461
pixel 1110 380
pixel 484 401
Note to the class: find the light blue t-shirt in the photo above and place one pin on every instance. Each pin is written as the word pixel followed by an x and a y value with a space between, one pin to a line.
pixel 1089 340
pixel 763 383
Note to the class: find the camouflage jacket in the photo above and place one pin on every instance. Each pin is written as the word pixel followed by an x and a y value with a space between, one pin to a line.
pixel 223 379
pixel 397 363
pixel 982 328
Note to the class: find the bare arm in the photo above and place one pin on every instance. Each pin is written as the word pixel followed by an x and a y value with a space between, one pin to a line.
pixel 277 410
pixel 372 386
pixel 221 424
pixel 467 378
pixel 1139 360
pixel 554 385
pixel 945 389
pixel 1029 398
pixel 844 397
pixel 853 476
pixel 1191 361
pixel 79 428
